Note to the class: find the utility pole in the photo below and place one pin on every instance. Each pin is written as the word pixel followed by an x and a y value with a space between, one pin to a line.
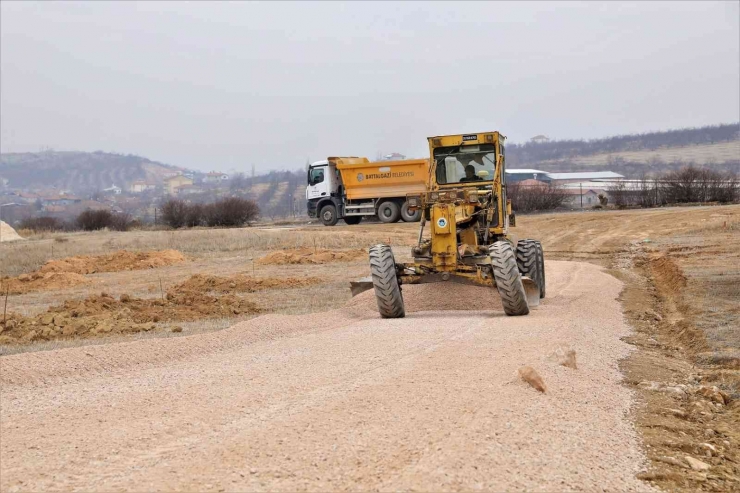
pixel 580 185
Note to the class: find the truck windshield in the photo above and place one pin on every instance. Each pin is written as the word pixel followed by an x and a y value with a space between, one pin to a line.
pixel 465 164
pixel 315 175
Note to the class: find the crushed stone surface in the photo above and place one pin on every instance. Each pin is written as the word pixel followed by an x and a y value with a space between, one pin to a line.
pixel 340 400
pixel 311 256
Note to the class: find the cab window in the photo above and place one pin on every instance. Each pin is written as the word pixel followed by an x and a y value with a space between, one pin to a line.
pixel 316 176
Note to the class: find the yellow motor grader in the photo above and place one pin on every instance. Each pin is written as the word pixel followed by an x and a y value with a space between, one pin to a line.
pixel 469 217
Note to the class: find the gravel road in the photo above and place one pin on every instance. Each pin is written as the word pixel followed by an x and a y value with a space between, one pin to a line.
pixel 340 400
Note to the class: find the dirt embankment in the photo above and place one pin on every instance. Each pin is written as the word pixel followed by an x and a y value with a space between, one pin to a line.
pixel 104 314
pixel 115 262
pixel 244 284
pixel 688 412
pixel 69 272
pixel 198 297
pixel 311 256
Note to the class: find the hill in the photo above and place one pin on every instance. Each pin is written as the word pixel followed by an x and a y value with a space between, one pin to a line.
pixel 79 171
pixel 717 145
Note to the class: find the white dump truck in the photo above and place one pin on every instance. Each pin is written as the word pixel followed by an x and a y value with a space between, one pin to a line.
pixel 351 188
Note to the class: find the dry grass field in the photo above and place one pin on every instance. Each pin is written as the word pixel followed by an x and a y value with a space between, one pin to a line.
pixel 680 266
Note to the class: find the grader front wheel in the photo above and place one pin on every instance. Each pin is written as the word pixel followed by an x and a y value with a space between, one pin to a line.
pixel 387 290
pixel 508 279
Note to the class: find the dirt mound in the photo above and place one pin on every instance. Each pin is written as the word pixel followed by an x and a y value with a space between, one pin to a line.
pixel 667 274
pixel 242 283
pixel 114 262
pixel 36 281
pixel 311 256
pixel 7 233
pixel 103 314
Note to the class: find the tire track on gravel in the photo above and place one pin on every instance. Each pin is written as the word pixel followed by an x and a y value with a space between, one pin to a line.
pixel 338 400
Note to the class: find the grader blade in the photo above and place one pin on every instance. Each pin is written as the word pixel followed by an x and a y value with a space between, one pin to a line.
pixel 532 291
pixel 361 285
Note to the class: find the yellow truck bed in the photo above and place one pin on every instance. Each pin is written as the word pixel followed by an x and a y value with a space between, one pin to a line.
pixel 366 180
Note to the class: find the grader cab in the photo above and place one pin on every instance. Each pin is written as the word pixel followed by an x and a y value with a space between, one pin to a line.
pixel 468 216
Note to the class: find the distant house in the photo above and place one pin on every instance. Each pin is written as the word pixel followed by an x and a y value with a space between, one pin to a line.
pixel 175 182
pixel 141 186
pixel 394 156
pixel 539 139
pixel 113 190
pixel 517 175
pixel 590 197
pixel 215 177
pixel 188 189
pixel 58 200
pixel 532 183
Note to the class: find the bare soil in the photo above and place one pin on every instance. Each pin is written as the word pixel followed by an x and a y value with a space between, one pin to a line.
pixel 365 402
pixel 114 262
pixel 37 281
pixel 68 272
pixel 243 283
pixel 100 315
pixel 310 256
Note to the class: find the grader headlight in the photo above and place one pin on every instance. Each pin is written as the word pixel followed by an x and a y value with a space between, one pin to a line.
pixel 473 198
pixel 434 196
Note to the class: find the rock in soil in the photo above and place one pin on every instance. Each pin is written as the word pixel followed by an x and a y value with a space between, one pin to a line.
pixel 529 375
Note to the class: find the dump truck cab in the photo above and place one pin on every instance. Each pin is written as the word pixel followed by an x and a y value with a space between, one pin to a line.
pixel 324 188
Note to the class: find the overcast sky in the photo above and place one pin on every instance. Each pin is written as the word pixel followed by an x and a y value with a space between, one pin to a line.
pixel 227 85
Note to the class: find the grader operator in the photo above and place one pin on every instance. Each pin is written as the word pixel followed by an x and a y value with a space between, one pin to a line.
pixel 469 242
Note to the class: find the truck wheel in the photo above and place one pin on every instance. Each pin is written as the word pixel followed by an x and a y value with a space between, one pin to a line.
pixel 508 279
pixel 351 220
pixel 541 257
pixel 387 291
pixel 529 261
pixel 328 215
pixel 410 217
pixel 389 212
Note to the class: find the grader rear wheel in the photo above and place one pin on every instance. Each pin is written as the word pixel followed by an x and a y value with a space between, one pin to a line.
pixel 387 291
pixel 530 262
pixel 508 279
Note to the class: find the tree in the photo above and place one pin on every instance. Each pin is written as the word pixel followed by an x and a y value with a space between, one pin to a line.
pixel 238 182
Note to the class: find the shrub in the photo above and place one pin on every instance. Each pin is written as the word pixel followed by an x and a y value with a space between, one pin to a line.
pixel 121 221
pixel 540 197
pixel 194 215
pixel 93 220
pixel 230 212
pixel 43 223
pixel 174 213
pixel 227 212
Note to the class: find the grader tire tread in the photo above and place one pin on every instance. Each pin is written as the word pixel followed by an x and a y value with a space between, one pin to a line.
pixel 508 279
pixel 541 258
pixel 528 258
pixel 387 291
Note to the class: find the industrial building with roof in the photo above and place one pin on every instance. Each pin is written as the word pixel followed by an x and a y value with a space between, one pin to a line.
pixel 518 175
